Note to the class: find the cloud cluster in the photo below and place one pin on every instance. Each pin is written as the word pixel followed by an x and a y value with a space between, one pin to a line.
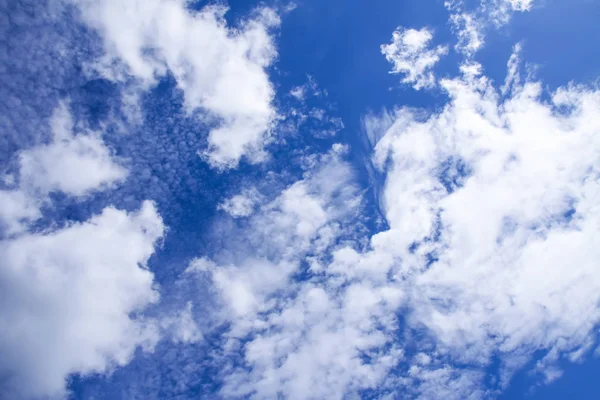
pixel 469 32
pixel 489 259
pixel 470 24
pixel 42 55
pixel 302 331
pixel 73 163
pixel 411 55
pixel 71 297
pixel 69 300
pixel 220 69
pixel 491 206
pixel 500 11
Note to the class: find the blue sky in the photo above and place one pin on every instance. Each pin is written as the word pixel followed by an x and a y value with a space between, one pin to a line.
pixel 299 200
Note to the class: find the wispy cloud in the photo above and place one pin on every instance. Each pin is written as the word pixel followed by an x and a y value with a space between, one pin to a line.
pixel 490 207
pixel 470 24
pixel 411 55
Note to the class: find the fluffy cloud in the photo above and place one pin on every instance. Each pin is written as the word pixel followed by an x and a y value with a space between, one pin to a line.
pixel 17 210
pixel 491 204
pixel 70 298
pixel 318 337
pixel 326 341
pixel 74 164
pixel 411 55
pixel 500 11
pixel 469 31
pixel 302 219
pixel 221 70
pixel 490 248
pixel 492 217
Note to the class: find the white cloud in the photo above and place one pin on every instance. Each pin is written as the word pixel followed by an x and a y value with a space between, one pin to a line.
pixel 500 11
pixel 470 25
pixel 319 338
pixel 301 219
pixel 74 164
pixel 411 55
pixel 246 288
pixel 318 121
pixel 17 210
pixel 221 69
pixel 70 298
pixel 520 5
pixel 469 31
pixel 512 77
pixel 317 346
pixel 492 208
pixel 310 88
pixel 491 204
pixel 241 205
pixel 502 193
pixel 181 325
pixel 298 92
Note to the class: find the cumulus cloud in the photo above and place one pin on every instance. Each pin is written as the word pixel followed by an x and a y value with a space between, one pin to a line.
pixel 70 298
pixel 411 55
pixel 73 164
pixel 491 204
pixel 491 210
pixel 220 69
pixel 17 210
pixel 322 344
pixel 490 248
